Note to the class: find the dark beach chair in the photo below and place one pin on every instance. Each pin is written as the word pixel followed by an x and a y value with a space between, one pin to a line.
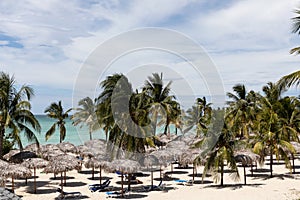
pixel 99 187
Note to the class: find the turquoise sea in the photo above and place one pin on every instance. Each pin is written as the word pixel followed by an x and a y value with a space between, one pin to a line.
pixel 75 134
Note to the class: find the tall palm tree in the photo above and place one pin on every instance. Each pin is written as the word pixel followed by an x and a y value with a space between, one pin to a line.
pixel 86 115
pixel 103 110
pixel 161 99
pixel 271 140
pixel 56 111
pixel 15 114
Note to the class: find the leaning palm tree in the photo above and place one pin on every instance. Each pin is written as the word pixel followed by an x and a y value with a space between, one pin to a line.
pixel 56 111
pixel 86 115
pixel 15 114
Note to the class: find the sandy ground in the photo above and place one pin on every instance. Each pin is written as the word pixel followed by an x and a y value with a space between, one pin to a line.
pixel 283 185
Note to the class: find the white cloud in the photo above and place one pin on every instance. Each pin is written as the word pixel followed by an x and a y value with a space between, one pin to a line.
pixel 249 40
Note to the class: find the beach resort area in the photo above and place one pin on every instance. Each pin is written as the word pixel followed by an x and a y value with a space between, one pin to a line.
pixel 146 99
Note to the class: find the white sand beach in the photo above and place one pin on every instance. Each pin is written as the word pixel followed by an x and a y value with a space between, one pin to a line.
pixel 283 185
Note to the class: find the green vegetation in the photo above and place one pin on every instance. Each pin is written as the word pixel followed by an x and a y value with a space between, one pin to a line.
pixel 15 115
pixel 56 111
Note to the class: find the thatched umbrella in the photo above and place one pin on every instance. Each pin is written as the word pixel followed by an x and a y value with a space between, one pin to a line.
pixel 61 164
pixel 34 163
pixel 149 161
pixel 246 158
pixel 67 147
pixel 296 146
pixel 188 157
pixel 34 147
pixel 15 171
pixel 92 163
pixel 125 167
pixel 164 157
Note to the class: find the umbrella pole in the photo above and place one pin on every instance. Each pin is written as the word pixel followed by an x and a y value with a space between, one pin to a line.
pixel 193 172
pixel 160 173
pixel 65 178
pixel 129 181
pixel 61 184
pixel 100 175
pixel 93 173
pixel 34 174
pixel 12 184
pixel 151 179
pixel 251 169
pixel 122 185
pixel 245 174
pixel 26 180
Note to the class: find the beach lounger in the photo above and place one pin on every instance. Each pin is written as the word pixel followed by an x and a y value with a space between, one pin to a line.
pixel 68 194
pixel 117 193
pixel 99 187
pixel 160 186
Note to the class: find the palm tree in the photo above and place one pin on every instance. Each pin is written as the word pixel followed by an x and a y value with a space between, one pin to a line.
pixel 15 114
pixel 56 111
pixel 289 80
pixel 199 115
pixel 222 152
pixel 103 110
pixel 270 139
pixel 161 99
pixel 274 130
pixel 86 115
pixel 241 110
pixel 293 78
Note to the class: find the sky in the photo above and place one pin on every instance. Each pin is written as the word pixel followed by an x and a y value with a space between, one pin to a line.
pixel 46 44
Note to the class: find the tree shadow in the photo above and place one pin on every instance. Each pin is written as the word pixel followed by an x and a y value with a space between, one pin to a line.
pixel 234 186
pixel 75 184
pixel 176 172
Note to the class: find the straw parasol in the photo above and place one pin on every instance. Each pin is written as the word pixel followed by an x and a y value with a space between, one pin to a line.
pixel 149 161
pixel 164 157
pixel 62 163
pixel 67 147
pixel 296 146
pixel 125 166
pixel 15 171
pixel 34 163
pixel 246 158
pixel 34 147
pixel 188 157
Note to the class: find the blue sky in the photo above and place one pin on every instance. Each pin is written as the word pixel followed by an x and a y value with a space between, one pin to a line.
pixel 45 43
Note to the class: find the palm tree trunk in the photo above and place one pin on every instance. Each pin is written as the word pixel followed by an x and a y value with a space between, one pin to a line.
pixel 90 132
pixel 2 130
pixel 155 122
pixel 222 174
pixel 293 160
